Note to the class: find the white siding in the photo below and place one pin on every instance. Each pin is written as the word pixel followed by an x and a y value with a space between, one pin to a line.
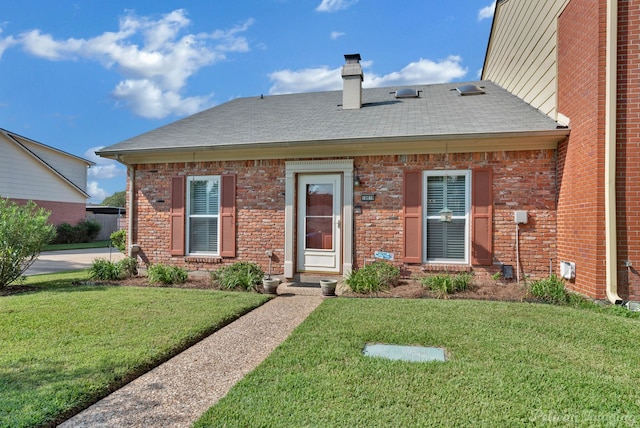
pixel 522 53
pixel 24 177
pixel 74 169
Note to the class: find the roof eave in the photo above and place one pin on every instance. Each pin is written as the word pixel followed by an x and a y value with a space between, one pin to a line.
pixel 416 144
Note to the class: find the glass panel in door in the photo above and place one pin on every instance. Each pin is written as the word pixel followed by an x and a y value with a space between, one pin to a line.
pixel 319 217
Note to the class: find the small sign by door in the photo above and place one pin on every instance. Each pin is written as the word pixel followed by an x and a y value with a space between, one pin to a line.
pixel 383 255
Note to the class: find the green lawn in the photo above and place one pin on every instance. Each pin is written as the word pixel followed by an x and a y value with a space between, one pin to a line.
pixel 510 364
pixel 63 347
pixel 79 246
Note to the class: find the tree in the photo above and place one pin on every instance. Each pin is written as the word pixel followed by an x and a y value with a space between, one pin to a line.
pixel 23 232
pixel 118 199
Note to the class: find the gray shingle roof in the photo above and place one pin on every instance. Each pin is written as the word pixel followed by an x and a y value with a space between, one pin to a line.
pixel 308 117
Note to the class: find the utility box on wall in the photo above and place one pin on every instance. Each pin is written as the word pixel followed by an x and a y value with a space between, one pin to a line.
pixel 567 270
pixel 520 217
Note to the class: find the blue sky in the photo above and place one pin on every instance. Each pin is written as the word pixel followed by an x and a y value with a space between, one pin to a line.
pixel 84 74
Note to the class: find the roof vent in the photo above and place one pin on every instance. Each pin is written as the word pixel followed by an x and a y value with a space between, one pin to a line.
pixel 470 90
pixel 407 93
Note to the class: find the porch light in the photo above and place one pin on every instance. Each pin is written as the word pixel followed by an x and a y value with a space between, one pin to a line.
pixel 356 181
pixel 446 215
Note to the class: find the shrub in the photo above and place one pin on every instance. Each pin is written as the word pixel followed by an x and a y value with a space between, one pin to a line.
pixel 129 265
pixel 240 275
pixel 88 230
pixel 105 270
pixel 84 231
pixel 446 283
pixel 373 278
pixel 23 232
pixel 167 275
pixel 550 290
pixel 119 239
pixel 64 234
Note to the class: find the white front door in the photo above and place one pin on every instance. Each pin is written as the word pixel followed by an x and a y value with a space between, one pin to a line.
pixel 319 223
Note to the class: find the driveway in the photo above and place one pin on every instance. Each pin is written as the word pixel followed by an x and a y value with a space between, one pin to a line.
pixel 58 261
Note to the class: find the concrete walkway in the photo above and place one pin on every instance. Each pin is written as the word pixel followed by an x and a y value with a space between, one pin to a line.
pixel 178 392
pixel 58 261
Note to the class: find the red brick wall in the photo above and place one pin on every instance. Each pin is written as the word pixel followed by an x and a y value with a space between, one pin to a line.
pixel 522 180
pixel 61 212
pixel 581 83
pixel 628 149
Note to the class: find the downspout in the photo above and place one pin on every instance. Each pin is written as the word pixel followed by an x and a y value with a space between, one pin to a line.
pixel 130 212
pixel 611 242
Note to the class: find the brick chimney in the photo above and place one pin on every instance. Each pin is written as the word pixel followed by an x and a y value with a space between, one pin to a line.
pixel 352 78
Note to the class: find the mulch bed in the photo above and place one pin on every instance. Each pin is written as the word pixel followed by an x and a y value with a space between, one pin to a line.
pixel 407 289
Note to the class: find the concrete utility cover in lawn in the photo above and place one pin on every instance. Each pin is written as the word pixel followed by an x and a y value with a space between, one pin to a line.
pixel 404 353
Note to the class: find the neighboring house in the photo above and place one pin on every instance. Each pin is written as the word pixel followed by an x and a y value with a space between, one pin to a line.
pixel 577 61
pixel 53 179
pixel 328 179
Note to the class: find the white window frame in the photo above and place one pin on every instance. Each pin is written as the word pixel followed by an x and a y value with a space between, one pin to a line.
pixel 467 216
pixel 191 179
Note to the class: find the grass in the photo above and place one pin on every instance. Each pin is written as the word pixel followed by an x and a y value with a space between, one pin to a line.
pixel 79 246
pixel 64 347
pixel 510 364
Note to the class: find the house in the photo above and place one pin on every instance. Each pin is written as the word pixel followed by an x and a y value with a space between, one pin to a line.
pixel 576 61
pixel 53 179
pixel 325 180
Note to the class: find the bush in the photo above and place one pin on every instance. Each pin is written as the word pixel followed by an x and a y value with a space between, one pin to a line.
pixel 240 275
pixel 88 230
pixel 129 265
pixel 85 231
pixel 119 239
pixel 105 270
pixel 550 290
pixel 23 232
pixel 167 275
pixel 373 278
pixel 65 234
pixel 446 283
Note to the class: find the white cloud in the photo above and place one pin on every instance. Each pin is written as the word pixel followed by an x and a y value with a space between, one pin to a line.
pixel 148 99
pixel 96 192
pixel 423 71
pixel 155 71
pixel 336 34
pixel 305 80
pixel 487 12
pixel 6 43
pixel 44 46
pixel 104 168
pixel 105 171
pixel 334 5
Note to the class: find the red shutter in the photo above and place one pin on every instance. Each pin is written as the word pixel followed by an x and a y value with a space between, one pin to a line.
pixel 228 215
pixel 176 216
pixel 412 213
pixel 482 217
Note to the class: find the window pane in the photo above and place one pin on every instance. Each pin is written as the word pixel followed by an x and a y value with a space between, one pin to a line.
pixel 319 199
pixel 204 196
pixel 445 241
pixel 435 195
pixel 450 193
pixel 319 233
pixel 456 194
pixel 203 235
